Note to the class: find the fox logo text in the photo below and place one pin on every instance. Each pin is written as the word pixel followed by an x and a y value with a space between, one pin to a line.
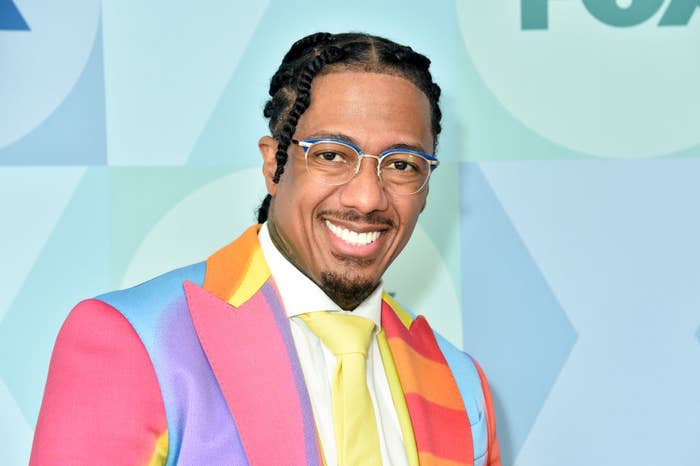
pixel 535 13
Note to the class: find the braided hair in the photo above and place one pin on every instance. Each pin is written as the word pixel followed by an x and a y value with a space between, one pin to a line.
pixel 290 87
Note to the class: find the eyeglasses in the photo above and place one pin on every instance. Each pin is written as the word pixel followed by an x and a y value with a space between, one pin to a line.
pixel 334 162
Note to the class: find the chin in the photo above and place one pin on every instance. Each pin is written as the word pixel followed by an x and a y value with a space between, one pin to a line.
pixel 347 290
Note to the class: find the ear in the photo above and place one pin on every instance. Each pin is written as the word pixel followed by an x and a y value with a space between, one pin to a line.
pixel 268 148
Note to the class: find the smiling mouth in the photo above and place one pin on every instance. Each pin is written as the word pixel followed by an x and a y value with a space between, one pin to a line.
pixel 353 238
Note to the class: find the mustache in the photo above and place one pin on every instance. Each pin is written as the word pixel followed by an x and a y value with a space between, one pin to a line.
pixel 354 216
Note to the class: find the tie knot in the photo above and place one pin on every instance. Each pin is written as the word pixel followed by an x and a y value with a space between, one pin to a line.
pixel 341 333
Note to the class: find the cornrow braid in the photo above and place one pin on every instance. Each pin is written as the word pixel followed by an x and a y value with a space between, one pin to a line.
pixel 290 87
pixel 301 103
pixel 306 43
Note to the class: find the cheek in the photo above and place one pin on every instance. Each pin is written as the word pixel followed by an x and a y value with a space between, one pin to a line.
pixel 409 210
pixel 408 218
pixel 288 193
pixel 300 202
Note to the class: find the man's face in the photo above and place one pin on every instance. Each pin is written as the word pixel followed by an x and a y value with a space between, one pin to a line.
pixel 311 222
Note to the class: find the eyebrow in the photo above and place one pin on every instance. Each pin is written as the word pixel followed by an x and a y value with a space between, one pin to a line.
pixel 346 138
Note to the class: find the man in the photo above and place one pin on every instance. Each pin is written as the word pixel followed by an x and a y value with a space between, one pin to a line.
pixel 282 349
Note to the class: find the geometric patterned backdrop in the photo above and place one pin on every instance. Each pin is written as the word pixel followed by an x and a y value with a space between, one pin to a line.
pixel 560 240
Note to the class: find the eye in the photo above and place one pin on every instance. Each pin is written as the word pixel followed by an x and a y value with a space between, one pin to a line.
pixel 401 165
pixel 329 153
pixel 329 156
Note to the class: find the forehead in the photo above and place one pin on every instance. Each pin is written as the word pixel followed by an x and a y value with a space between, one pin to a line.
pixel 376 110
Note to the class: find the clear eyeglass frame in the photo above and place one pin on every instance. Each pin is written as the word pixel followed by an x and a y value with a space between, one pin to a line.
pixel 308 144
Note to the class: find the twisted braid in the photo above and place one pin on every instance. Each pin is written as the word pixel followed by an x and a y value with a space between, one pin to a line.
pixel 305 43
pixel 301 103
pixel 290 87
pixel 302 100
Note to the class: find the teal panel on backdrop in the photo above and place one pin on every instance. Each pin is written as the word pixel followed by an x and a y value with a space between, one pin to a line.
pixel 166 64
pixel 199 222
pixel 74 264
pixel 33 199
pixel 439 220
pixel 488 131
pixel 15 430
pixel 139 199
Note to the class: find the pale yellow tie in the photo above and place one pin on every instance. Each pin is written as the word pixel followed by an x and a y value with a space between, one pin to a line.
pixel 355 426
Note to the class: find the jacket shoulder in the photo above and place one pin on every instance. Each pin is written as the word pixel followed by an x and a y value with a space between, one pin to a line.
pixel 101 392
pixel 143 299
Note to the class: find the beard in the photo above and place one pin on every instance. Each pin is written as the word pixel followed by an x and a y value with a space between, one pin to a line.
pixel 346 291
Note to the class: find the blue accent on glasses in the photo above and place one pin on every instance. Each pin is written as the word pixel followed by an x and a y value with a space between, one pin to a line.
pixel 306 144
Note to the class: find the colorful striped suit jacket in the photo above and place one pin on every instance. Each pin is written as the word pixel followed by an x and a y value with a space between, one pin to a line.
pixel 198 367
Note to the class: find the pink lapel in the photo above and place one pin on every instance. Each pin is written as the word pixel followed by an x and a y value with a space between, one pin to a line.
pixel 252 355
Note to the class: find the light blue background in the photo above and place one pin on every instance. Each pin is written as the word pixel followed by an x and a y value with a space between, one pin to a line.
pixel 560 240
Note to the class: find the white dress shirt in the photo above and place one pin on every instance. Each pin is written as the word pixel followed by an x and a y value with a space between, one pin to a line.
pixel 301 295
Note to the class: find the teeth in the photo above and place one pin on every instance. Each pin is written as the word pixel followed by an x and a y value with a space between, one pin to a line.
pixel 353 237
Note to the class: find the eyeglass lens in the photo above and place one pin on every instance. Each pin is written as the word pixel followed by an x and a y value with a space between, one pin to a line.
pixel 335 164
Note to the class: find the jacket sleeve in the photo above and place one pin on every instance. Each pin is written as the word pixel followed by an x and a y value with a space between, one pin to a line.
pixel 102 403
pixel 493 455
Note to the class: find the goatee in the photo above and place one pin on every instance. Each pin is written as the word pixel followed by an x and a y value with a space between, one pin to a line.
pixel 347 292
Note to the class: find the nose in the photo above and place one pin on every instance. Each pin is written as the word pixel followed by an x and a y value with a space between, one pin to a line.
pixel 364 192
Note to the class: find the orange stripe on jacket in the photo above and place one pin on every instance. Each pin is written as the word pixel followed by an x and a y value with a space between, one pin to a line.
pixel 426 370
pixel 227 267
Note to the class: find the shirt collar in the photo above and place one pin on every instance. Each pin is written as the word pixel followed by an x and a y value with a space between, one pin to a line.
pixel 300 294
